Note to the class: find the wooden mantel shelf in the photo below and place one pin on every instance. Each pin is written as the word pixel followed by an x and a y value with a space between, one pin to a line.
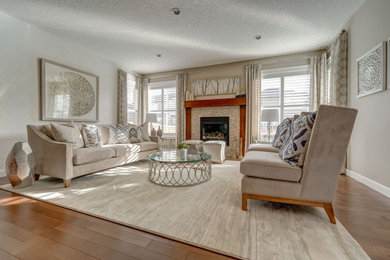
pixel 216 102
pixel 241 102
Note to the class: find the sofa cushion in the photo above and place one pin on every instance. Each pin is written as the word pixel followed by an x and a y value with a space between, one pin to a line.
pixel 67 134
pixel 126 149
pixel 263 147
pixel 93 154
pixel 281 133
pixel 268 165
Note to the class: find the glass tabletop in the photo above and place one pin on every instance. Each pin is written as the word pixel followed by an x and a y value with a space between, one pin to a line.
pixel 178 156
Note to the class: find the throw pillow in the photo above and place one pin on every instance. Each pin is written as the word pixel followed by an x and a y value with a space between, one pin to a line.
pixel 67 134
pixel 144 131
pixel 295 146
pixel 119 134
pixel 91 135
pixel 46 129
pixel 281 133
pixel 135 134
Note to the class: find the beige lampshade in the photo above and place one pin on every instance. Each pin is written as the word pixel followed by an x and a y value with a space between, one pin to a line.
pixel 151 118
pixel 270 115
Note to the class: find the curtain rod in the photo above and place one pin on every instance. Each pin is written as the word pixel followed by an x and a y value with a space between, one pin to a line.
pixel 285 60
pixel 162 76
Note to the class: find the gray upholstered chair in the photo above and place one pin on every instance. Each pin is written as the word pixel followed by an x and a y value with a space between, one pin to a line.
pixel 267 177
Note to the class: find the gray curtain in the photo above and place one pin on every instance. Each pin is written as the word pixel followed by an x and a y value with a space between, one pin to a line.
pixel 142 86
pixel 339 74
pixel 181 85
pixel 122 97
pixel 318 85
pixel 252 85
pixel 330 89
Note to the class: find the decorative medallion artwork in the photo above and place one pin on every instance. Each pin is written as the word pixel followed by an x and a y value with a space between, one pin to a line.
pixel 68 94
pixel 229 85
pixel 371 69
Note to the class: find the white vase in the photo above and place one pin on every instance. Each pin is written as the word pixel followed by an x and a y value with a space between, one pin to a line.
pixel 183 154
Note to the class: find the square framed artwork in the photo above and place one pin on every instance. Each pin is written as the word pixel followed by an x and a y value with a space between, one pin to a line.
pixel 388 63
pixel 371 71
pixel 68 94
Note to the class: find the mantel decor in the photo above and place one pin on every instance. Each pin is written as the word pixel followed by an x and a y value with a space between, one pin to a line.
pixel 219 86
pixel 371 68
pixel 68 94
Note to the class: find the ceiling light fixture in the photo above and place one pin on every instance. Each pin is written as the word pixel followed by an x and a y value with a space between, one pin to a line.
pixel 258 37
pixel 175 11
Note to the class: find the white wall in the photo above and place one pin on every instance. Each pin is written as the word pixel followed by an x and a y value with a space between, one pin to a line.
pixel 369 147
pixel 21 46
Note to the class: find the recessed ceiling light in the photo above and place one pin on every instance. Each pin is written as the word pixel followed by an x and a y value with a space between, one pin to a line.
pixel 175 11
pixel 258 37
pixel 158 55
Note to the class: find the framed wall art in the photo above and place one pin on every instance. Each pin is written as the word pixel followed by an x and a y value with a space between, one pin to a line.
pixel 68 94
pixel 388 63
pixel 371 71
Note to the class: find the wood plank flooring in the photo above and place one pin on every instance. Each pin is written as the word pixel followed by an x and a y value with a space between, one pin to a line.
pixel 31 229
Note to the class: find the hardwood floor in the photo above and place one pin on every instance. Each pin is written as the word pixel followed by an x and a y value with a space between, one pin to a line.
pixel 31 229
pixel 365 213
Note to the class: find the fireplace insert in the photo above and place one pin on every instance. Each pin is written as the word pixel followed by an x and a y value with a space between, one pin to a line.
pixel 214 128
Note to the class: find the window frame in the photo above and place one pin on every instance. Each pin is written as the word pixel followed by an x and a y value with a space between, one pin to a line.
pixel 163 85
pixel 282 73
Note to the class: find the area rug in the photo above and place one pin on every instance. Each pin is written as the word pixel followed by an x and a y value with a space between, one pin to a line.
pixel 208 215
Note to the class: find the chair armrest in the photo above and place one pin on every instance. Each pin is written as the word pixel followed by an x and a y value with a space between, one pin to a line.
pixel 52 158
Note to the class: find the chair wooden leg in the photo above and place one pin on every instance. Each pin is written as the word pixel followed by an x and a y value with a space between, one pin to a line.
pixel 36 177
pixel 329 210
pixel 244 201
pixel 67 183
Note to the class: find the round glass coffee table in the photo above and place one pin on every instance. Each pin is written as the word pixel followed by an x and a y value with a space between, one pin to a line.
pixel 176 168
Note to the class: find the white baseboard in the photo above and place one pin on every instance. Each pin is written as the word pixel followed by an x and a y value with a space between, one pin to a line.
pixel 370 183
pixel 2 173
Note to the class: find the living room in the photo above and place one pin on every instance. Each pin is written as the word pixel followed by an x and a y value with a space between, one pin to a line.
pixel 170 129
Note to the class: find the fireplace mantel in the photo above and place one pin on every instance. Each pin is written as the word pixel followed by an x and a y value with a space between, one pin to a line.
pixel 241 102
pixel 216 102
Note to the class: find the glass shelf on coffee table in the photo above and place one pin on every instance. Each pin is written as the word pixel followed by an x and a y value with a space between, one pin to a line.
pixel 177 168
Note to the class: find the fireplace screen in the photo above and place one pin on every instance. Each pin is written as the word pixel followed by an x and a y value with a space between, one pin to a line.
pixel 214 128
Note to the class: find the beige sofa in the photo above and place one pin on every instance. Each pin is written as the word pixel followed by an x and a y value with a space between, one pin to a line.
pixel 60 160
pixel 267 177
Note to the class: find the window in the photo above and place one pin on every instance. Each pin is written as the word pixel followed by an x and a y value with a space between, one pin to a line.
pixel 285 91
pixel 132 101
pixel 162 102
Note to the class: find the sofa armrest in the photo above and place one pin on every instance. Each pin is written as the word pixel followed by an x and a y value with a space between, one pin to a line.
pixel 52 158
pixel 155 139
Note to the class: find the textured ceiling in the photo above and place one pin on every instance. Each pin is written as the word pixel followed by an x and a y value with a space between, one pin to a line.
pixel 131 33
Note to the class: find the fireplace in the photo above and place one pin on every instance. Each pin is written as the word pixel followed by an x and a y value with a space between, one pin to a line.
pixel 214 128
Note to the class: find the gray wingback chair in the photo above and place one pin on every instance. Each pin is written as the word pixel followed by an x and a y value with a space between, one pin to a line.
pixel 267 177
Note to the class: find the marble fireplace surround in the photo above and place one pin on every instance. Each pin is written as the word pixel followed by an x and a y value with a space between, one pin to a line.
pixel 234 108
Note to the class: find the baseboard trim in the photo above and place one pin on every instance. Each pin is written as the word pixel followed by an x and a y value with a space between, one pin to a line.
pixel 2 173
pixel 369 183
